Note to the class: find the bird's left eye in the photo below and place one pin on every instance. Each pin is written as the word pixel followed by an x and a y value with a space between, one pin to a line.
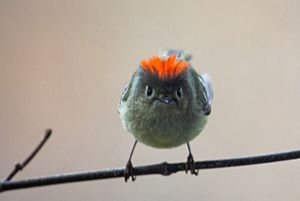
pixel 179 92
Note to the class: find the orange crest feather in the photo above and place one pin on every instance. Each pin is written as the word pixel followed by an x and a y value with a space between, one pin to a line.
pixel 164 67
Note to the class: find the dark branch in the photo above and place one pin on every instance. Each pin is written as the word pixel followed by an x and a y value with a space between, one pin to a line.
pixel 20 166
pixel 161 168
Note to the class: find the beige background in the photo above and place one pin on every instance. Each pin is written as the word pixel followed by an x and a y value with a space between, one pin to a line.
pixel 63 64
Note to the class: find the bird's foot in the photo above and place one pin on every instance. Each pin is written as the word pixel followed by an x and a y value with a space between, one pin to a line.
pixel 190 165
pixel 129 172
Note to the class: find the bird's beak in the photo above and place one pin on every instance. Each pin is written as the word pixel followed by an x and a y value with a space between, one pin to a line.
pixel 166 99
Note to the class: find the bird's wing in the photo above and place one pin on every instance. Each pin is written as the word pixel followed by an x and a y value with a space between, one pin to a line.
pixel 125 93
pixel 208 92
pixel 124 97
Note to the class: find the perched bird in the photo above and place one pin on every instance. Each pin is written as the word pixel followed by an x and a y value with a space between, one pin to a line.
pixel 166 104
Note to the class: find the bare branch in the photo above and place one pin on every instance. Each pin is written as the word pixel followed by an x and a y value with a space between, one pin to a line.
pixel 20 166
pixel 161 168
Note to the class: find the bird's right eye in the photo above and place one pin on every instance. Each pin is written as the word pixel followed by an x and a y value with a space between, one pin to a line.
pixel 149 91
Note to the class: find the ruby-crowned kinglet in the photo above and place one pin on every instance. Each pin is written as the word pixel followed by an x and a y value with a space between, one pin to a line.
pixel 166 104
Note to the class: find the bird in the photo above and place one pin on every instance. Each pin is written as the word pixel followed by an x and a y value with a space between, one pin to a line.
pixel 166 104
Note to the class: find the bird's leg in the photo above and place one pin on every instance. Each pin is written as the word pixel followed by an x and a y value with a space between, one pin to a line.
pixel 190 163
pixel 129 170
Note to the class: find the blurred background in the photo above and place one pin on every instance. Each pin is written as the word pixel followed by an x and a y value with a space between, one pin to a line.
pixel 64 64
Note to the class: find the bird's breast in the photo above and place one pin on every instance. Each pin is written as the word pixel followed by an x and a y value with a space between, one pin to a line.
pixel 165 126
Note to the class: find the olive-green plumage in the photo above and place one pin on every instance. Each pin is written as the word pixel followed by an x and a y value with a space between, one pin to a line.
pixel 166 112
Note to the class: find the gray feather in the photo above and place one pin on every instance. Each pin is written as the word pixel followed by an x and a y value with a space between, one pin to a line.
pixel 205 79
pixel 180 54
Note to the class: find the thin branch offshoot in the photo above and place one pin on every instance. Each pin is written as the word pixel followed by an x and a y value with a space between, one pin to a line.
pixel 19 166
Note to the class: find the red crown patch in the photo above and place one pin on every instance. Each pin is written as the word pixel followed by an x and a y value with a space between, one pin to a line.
pixel 164 67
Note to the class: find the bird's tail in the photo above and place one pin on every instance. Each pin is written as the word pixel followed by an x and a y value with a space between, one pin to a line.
pixel 180 54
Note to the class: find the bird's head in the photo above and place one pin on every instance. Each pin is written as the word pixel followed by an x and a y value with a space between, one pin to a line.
pixel 163 81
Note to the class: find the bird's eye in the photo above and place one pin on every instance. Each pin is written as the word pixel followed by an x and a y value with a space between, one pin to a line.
pixel 149 91
pixel 179 92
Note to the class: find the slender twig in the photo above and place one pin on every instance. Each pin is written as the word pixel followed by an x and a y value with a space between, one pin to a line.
pixel 161 168
pixel 19 166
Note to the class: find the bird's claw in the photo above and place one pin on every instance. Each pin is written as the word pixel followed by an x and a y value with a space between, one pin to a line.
pixel 190 165
pixel 129 171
